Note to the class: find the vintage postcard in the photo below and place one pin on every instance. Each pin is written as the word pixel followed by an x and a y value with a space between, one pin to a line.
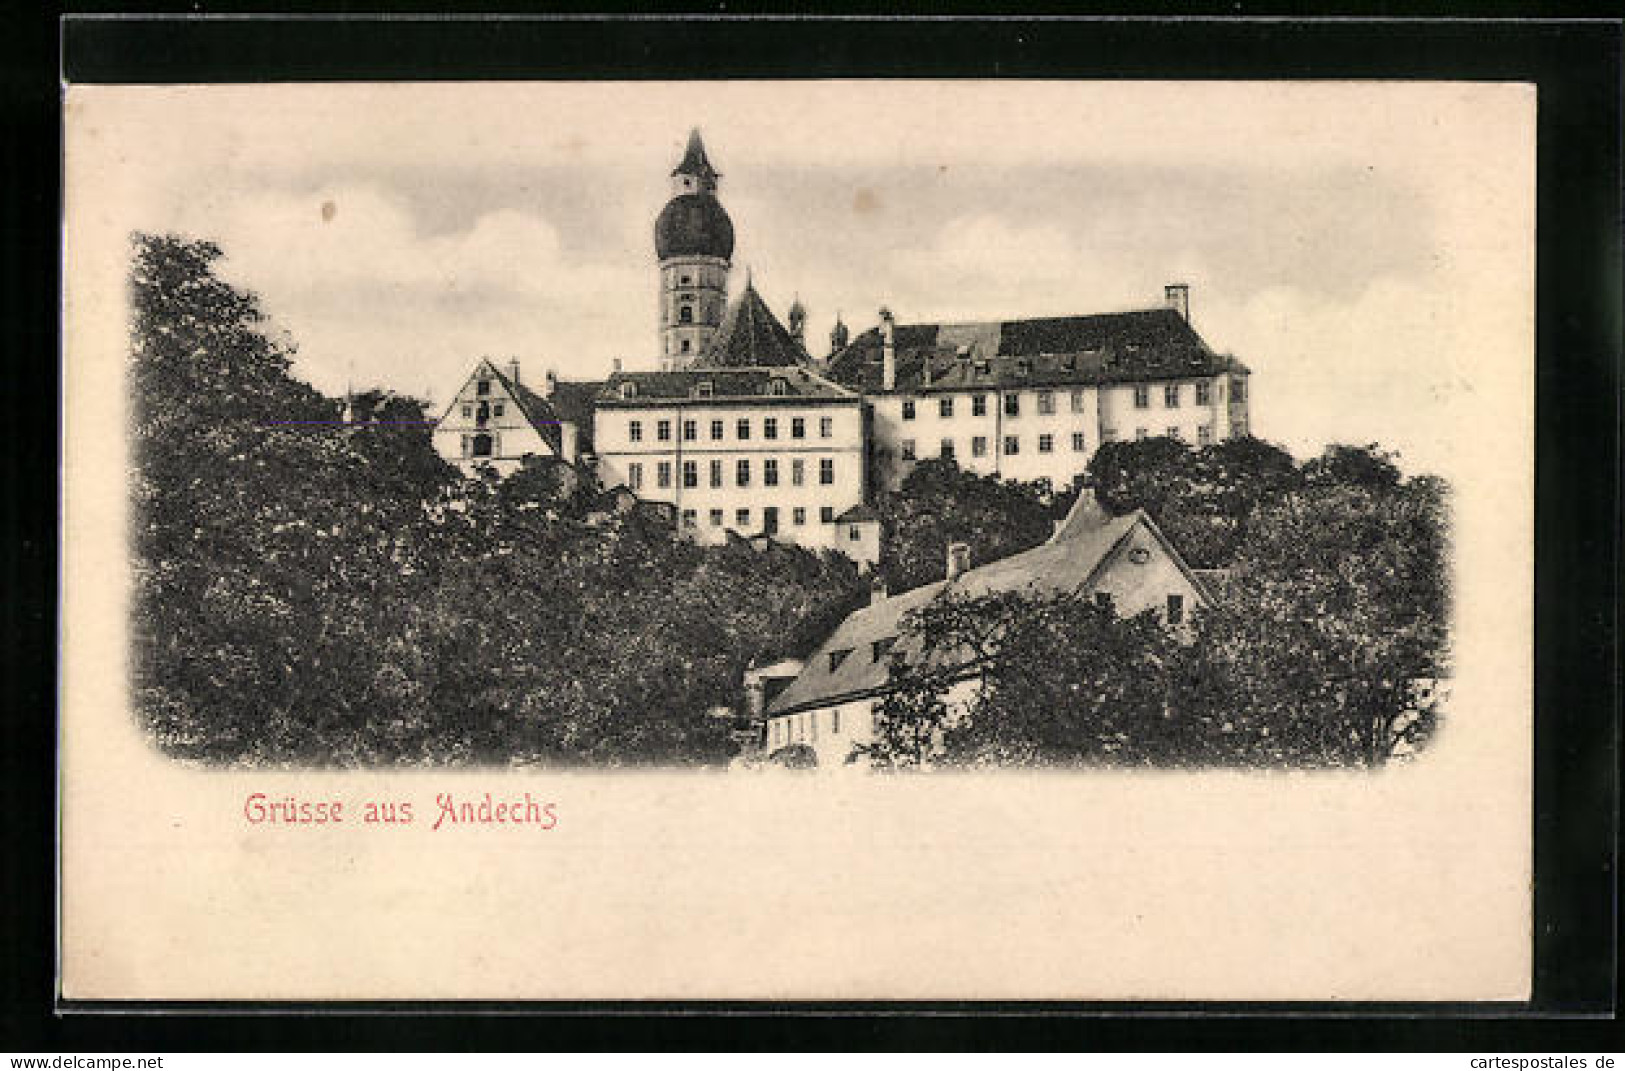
pixel 798 541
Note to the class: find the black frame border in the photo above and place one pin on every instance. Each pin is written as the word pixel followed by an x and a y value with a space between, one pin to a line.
pixel 1574 63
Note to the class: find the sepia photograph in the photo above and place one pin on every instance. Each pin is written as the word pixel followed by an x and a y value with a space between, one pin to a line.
pixel 890 500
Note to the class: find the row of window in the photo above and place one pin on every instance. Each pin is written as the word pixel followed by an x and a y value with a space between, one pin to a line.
pixel 742 429
pixel 1175 606
pixel 743 517
pixel 715 471
pixel 705 388
pixel 878 650
pixel 909 450
pixel 978 446
pixel 1171 396
pixel 978 404
pixel 1204 434
pixel 799 728
pixel 468 410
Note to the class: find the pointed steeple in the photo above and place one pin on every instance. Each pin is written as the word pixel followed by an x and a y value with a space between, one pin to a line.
pixel 838 336
pixel 696 164
pixel 751 337
pixel 798 321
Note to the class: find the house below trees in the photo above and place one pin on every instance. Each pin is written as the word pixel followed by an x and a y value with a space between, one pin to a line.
pixel 1124 563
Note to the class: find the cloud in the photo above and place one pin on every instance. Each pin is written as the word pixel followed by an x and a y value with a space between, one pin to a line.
pixel 369 298
pixel 1364 248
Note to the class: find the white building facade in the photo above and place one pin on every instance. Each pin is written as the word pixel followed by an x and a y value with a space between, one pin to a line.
pixel 1034 399
pixel 774 451
pixel 495 420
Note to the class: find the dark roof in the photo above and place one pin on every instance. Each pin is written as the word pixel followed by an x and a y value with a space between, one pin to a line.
pixel 1052 351
pixel 860 512
pixel 573 401
pixel 694 224
pixel 751 337
pixel 695 161
pixel 754 384
pixel 1069 561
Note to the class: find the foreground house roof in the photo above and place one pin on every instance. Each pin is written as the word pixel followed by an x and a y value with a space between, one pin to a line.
pixel 1071 560
pixel 1114 347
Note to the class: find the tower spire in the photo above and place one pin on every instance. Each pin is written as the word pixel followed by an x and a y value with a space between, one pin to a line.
pixel 694 241
pixel 696 164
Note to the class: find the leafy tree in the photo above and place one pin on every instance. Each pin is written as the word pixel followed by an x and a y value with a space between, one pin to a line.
pixel 1337 608
pixel 1028 680
pixel 939 503
pixel 1201 499
pixel 1335 611
pixel 319 591
pixel 1370 467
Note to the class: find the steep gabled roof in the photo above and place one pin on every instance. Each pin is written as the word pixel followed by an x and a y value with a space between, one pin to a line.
pixel 542 416
pixel 1150 344
pixel 1071 560
pixel 751 337
pixel 532 406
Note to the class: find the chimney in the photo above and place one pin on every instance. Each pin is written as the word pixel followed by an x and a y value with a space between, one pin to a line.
pixel 513 369
pixel 1178 297
pixel 877 589
pixel 958 559
pixel 551 382
pixel 616 367
pixel 888 350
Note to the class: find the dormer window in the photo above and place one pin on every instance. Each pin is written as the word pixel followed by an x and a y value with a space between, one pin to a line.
pixel 777 387
pixel 836 658
pixel 629 390
pixel 704 388
pixel 880 647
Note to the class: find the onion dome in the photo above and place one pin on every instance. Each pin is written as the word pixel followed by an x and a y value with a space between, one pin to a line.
pixel 694 224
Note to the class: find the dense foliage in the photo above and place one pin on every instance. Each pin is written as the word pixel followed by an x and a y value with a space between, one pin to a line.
pixel 1331 622
pixel 315 590
pixel 939 503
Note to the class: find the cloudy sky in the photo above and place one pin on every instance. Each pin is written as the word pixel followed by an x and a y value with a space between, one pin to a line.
pixel 1366 249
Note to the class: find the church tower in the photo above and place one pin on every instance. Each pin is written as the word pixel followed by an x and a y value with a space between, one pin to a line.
pixel 694 240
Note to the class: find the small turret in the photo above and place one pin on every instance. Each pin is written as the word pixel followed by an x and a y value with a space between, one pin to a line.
pixel 839 336
pixel 798 321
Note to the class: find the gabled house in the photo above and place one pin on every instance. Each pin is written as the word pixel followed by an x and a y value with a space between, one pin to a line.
pixel 1124 563
pixel 495 419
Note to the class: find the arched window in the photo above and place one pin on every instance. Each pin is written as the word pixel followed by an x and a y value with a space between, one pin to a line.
pixel 482 445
